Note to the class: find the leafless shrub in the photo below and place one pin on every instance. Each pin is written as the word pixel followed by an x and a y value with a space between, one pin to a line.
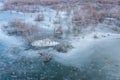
pixel 34 2
pixel 115 28
pixel 77 17
pixel 88 14
pixel 25 8
pixel 85 15
pixel 100 15
pixel 20 28
pixel 58 32
pixel 108 1
pixel 45 57
pixel 76 30
pixel 14 50
pixel 95 36
pixel 63 47
pixel 39 17
pixel 115 12
pixel 78 21
pixel 7 7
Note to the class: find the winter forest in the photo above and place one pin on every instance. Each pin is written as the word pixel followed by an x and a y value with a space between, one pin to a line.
pixel 59 39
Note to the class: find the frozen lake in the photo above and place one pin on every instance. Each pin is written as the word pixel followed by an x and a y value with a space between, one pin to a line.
pixel 90 60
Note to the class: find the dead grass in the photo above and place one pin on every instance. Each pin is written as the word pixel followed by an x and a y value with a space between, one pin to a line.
pixel 88 12
pixel 25 5
pixel 115 12
pixel 25 30
pixel 109 1
pixel 34 2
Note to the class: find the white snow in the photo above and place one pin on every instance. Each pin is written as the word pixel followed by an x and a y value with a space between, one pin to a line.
pixel 44 43
pixel 1 5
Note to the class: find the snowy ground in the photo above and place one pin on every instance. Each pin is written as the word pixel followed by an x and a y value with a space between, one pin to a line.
pixel 97 52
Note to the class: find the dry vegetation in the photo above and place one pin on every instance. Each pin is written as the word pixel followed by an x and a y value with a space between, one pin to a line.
pixel 27 31
pixel 63 47
pixel 20 28
pixel 39 17
pixel 35 2
pixel 21 4
pixel 24 5
pixel 94 12
pixel 115 12
pixel 85 12
pixel 58 32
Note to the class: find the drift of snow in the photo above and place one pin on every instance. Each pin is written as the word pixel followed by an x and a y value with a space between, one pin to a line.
pixel 44 43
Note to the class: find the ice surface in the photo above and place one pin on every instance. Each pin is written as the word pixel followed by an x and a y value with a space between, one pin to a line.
pixel 102 49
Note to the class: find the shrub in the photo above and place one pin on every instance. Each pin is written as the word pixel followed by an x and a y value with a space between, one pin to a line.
pixel 45 57
pixel 7 7
pixel 77 17
pixel 77 14
pixel 115 12
pixel 20 28
pixel 63 47
pixel 95 37
pixel 108 1
pixel 39 17
pixel 58 32
pixel 115 28
pixel 13 50
pixel 34 2
pixel 76 30
pixel 88 14
pixel 100 15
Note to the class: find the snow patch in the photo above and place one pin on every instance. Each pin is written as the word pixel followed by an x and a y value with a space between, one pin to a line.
pixel 44 43
pixel 1 5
